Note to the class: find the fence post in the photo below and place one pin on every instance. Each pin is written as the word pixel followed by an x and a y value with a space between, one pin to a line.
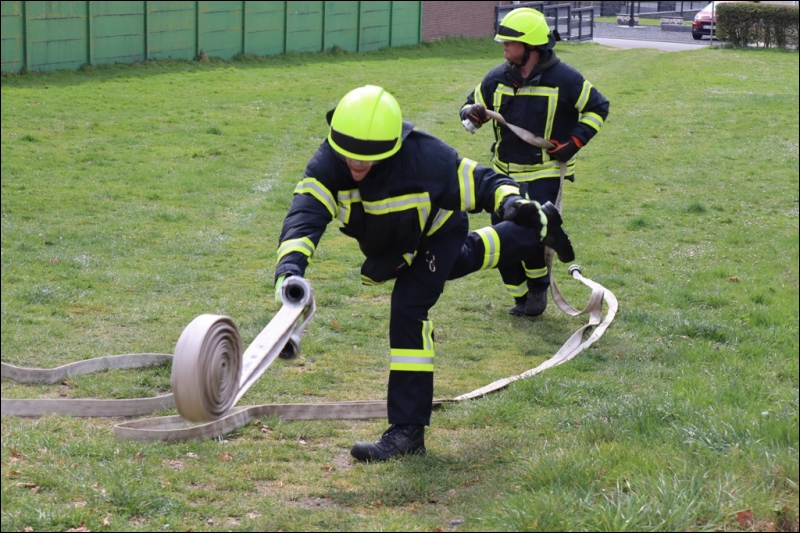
pixel 419 33
pixel 324 4
pixel 89 33
pixel 285 26
pixel 569 22
pixel 358 29
pixel 197 29
pixel 146 32
pixel 24 37
pixel 391 11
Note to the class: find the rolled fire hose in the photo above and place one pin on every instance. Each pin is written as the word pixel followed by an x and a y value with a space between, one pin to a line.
pixel 199 397
pixel 210 373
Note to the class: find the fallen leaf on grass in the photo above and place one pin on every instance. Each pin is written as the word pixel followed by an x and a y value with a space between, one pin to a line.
pixel 15 456
pixel 266 429
pixel 106 521
pixel 27 529
pixel 335 324
pixel 253 516
pixel 80 527
pixel 745 518
pixel 191 454
pixel 13 473
pixel 734 279
pixel 32 486
pixel 231 521
pixel 225 457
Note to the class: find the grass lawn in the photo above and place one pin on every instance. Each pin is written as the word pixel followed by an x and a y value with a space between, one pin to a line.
pixel 136 197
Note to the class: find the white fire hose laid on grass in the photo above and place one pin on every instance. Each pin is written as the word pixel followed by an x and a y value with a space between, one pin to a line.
pixel 210 374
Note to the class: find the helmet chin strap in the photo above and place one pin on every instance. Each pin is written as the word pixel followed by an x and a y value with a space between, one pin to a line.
pixel 516 68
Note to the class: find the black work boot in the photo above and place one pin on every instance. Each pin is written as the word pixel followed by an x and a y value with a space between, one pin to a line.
pixel 556 237
pixel 533 304
pixel 519 306
pixel 537 303
pixel 399 439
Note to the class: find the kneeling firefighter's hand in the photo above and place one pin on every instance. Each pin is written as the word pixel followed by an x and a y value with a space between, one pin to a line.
pixel 278 286
pixel 528 214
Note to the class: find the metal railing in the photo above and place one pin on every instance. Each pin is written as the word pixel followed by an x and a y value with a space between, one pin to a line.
pixel 571 24
pixel 656 9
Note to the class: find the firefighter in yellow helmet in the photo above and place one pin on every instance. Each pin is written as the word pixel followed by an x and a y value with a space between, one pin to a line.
pixel 535 90
pixel 403 195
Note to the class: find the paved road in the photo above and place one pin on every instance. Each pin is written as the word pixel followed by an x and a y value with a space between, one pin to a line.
pixel 645 36
pixel 665 46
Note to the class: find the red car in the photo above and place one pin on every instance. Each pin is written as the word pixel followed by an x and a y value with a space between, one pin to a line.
pixel 703 21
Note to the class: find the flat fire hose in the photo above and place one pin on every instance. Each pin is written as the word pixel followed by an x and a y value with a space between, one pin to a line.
pixel 210 374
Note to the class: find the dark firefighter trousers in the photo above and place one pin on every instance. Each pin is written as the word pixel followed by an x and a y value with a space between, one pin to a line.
pixel 530 275
pixel 451 255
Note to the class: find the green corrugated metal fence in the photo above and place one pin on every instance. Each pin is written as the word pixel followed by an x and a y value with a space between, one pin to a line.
pixel 64 35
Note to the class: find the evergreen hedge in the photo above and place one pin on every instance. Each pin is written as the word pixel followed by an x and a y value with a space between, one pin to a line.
pixel 744 23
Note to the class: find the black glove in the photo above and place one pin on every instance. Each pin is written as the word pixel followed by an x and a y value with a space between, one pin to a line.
pixel 565 151
pixel 384 267
pixel 528 214
pixel 476 114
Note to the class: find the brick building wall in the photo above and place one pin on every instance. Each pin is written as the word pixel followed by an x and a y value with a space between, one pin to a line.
pixel 471 19
pixel 458 19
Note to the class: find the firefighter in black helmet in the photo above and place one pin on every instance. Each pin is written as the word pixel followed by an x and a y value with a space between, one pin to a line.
pixel 403 194
pixel 534 90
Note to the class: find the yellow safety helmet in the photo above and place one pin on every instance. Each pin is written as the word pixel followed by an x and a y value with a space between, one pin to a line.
pixel 367 125
pixel 527 26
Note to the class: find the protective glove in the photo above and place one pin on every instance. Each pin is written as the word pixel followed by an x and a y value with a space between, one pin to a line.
pixel 565 151
pixel 528 214
pixel 278 285
pixel 382 268
pixel 475 114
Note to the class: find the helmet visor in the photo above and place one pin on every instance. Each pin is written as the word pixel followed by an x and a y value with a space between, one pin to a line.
pixel 361 149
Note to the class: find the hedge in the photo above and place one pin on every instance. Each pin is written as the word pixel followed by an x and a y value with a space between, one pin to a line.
pixel 743 23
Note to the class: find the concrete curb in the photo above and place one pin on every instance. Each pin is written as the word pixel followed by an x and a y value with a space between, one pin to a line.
pixel 676 27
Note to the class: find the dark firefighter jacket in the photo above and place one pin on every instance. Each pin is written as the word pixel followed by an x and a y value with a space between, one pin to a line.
pixel 554 102
pixel 403 199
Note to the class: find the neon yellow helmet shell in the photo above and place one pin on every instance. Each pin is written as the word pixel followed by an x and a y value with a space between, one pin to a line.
pixel 367 125
pixel 527 26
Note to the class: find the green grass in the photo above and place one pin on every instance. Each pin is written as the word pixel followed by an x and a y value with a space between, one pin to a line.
pixel 135 197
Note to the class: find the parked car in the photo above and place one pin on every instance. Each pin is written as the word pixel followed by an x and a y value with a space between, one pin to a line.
pixel 704 22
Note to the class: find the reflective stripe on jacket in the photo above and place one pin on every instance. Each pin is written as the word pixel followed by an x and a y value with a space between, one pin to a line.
pixel 411 195
pixel 554 103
